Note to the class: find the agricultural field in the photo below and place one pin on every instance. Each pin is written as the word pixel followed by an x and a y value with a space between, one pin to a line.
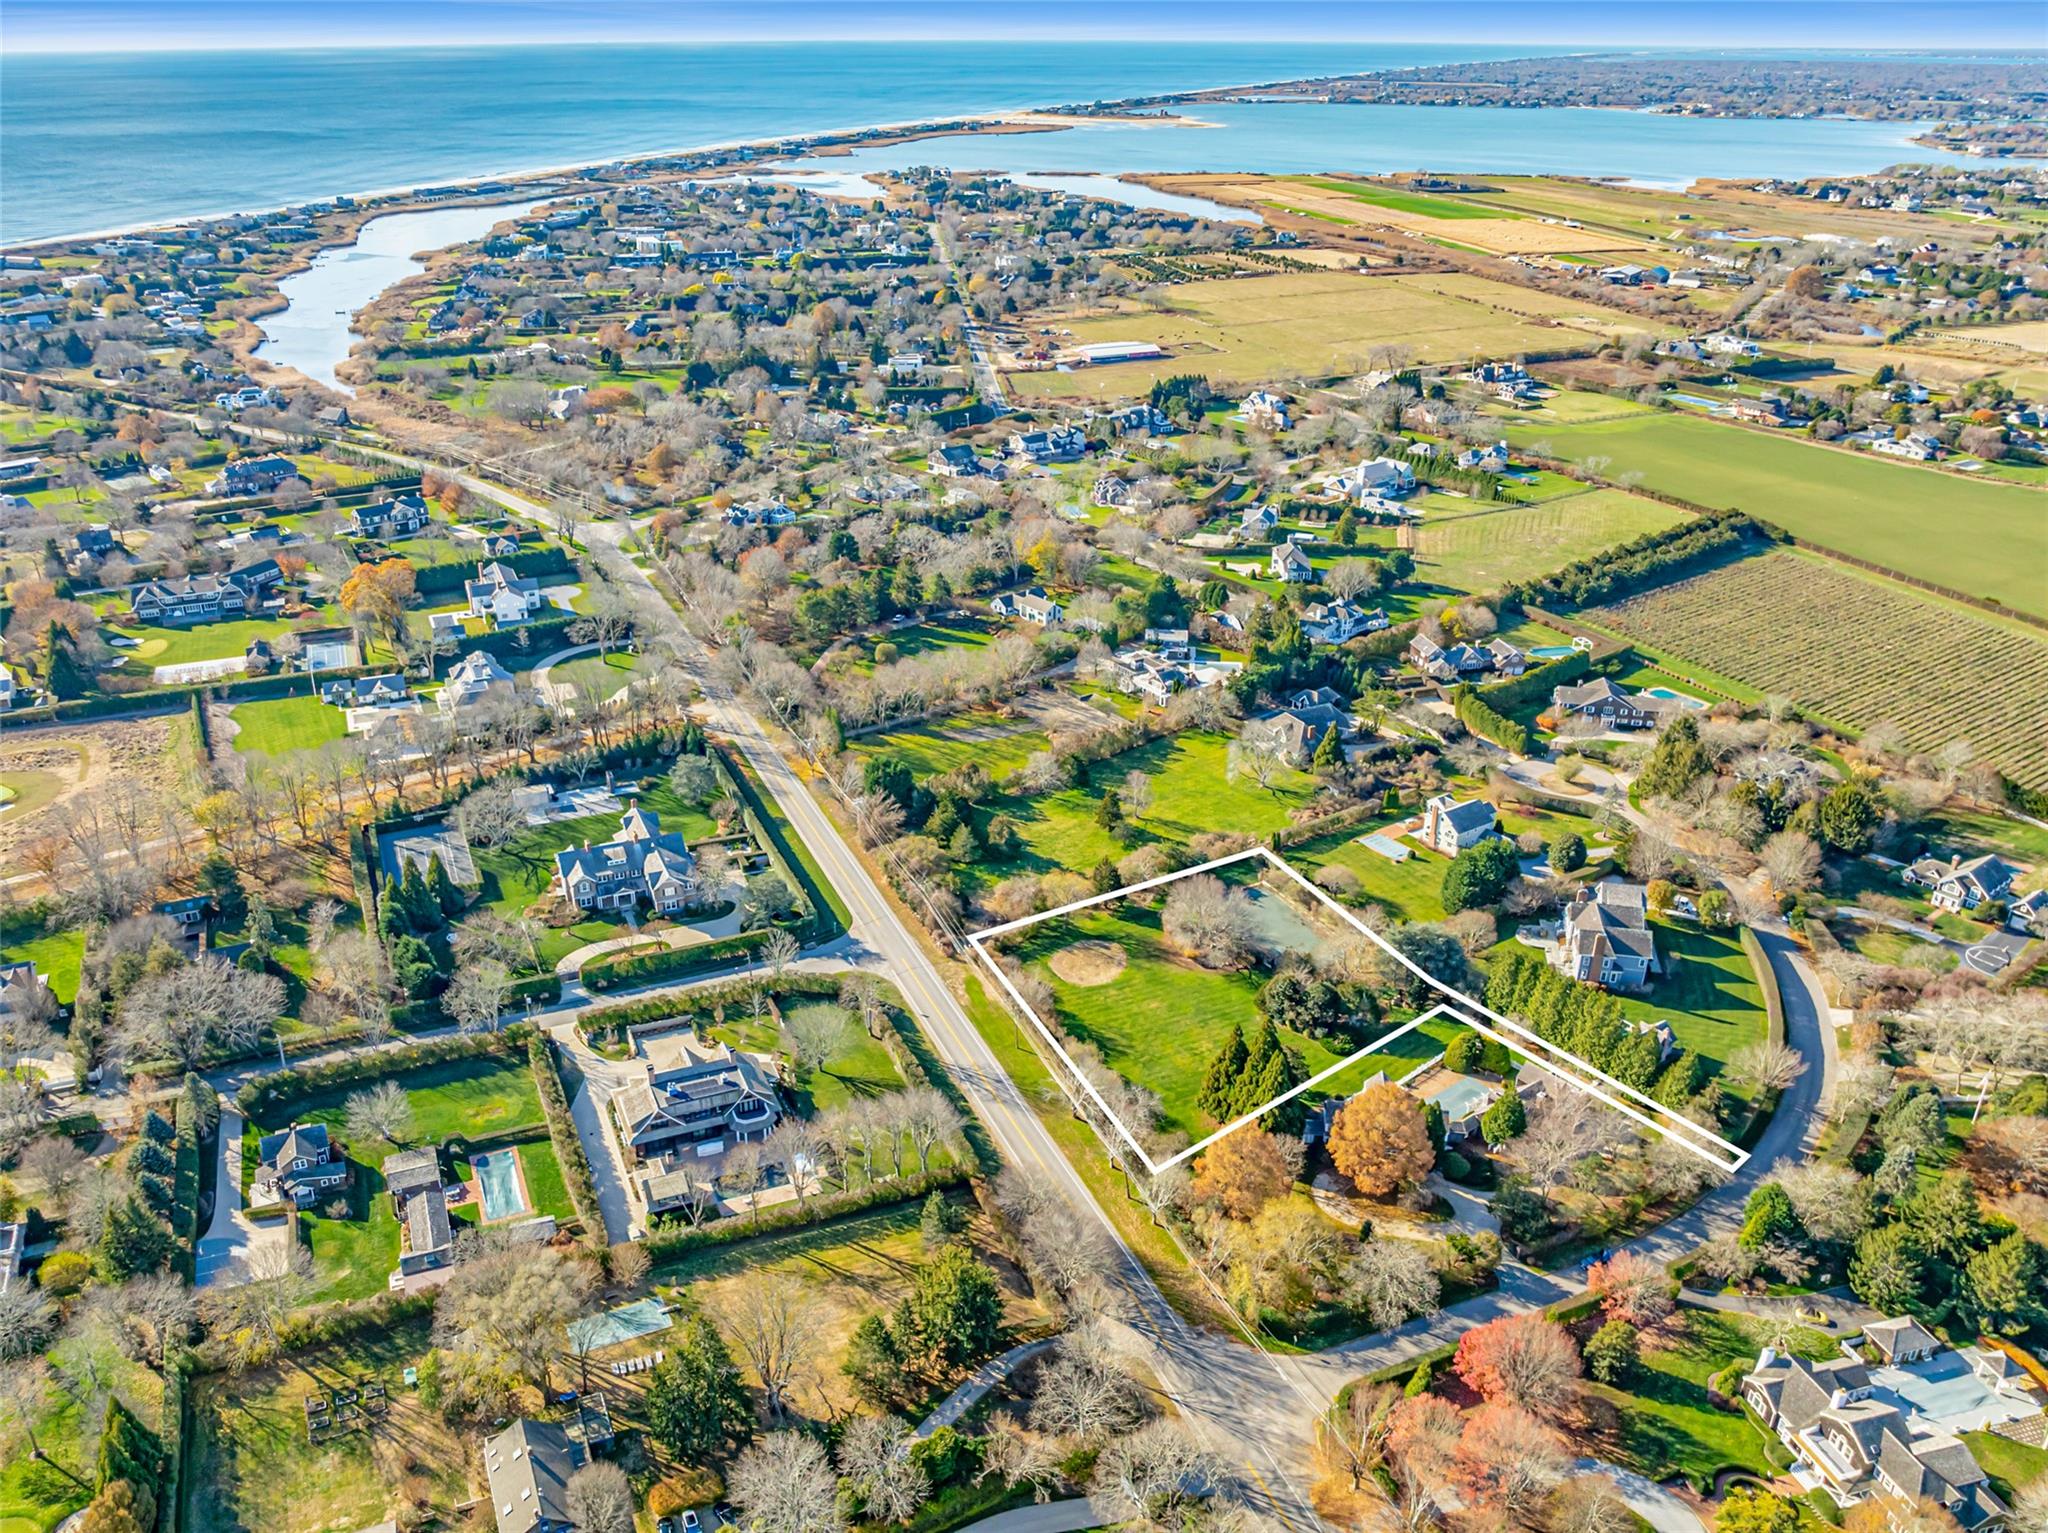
pixel 1992 542
pixel 1486 547
pixel 1857 650
pixel 1254 329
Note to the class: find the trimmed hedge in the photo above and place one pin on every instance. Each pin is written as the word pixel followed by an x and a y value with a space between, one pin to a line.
pixel 617 971
pixel 172 1435
pixel 676 1242
pixel 576 1173
pixel 1476 716
pixel 810 903
pixel 1536 682
pixel 1767 980
pixel 282 1090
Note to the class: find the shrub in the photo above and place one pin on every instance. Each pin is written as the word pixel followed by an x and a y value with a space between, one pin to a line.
pixel 65 1273
pixel 1612 1352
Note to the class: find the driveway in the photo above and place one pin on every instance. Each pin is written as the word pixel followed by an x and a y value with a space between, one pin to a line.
pixel 1647 1499
pixel 235 1248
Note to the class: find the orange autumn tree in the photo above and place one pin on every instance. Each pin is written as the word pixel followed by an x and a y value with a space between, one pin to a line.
pixel 1523 1360
pixel 376 595
pixel 1245 1171
pixel 1380 1142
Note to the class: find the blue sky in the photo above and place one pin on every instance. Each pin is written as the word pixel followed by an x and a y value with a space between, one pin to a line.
pixel 121 25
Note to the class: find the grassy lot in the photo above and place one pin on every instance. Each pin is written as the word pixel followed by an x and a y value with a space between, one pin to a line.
pixel 35 1498
pixel 1709 992
pixel 999 744
pixel 251 1469
pixel 1248 330
pixel 922 639
pixel 1408 891
pixel 862 1069
pixel 850 1269
pixel 1159 1022
pixel 2003 1459
pixel 1857 649
pixel 1994 539
pixel 602 675
pixel 1887 945
pixel 1484 548
pixel 281 725
pixel 1191 793
pixel 56 954
pixel 203 641
pixel 1400 202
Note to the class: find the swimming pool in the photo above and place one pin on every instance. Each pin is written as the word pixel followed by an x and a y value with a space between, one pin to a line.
pixel 1670 696
pixel 498 1184
pixel 1552 651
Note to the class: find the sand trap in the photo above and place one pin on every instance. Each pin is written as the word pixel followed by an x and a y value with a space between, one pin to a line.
pixel 1089 963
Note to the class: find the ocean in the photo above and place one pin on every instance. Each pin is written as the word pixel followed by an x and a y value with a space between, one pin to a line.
pixel 107 141
pixel 104 141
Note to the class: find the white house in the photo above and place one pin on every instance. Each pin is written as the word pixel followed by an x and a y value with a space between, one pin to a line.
pixel 1031 604
pixel 1450 827
pixel 503 596
pixel 478 678
pixel 1388 477
pixel 1487 460
pixel 1958 885
pixel 1290 564
pixel 1264 409
pixel 1337 621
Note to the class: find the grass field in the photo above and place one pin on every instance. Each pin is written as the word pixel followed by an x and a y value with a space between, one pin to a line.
pixel 56 954
pixel 1249 330
pixel 1857 650
pixel 1001 745
pixel 203 641
pixel 1160 1022
pixel 281 725
pixel 1709 992
pixel 1421 203
pixel 1483 549
pixel 250 1468
pixel 35 1498
pixel 1191 793
pixel 923 639
pixel 1983 538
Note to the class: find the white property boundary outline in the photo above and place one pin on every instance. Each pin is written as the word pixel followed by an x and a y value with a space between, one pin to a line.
pixel 1658 1118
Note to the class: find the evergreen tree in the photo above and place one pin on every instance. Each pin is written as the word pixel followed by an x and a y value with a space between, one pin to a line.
pixel 442 891
pixel 417 904
pixel 63 677
pixel 1887 1270
pixel 1109 811
pixel 873 1365
pixel 696 1406
pixel 1504 1120
pixel 1677 761
pixel 2002 1287
pixel 218 878
pixel 952 1316
pixel 1225 1074
pixel 1849 817
pixel 134 1241
pixel 941 1221
pixel 1767 1217
pixel 1329 753
pixel 1103 876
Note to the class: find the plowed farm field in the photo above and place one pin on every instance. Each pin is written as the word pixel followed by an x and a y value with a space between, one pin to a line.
pixel 1858 651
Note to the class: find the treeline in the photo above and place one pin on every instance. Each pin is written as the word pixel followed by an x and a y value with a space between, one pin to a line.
pixel 1590 1024
pixel 1650 560
pixel 1483 721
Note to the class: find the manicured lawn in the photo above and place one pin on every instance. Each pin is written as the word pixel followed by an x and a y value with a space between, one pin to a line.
pixel 516 874
pixel 1667 1424
pixel 982 735
pixel 1887 945
pixel 35 1498
pixel 281 725
pixel 2016 1464
pixel 601 675
pixel 1160 1022
pixel 1994 539
pixel 924 639
pixel 862 1068
pixel 1709 993
pixel 1191 793
pixel 56 955
pixel 203 641
pixel 1404 202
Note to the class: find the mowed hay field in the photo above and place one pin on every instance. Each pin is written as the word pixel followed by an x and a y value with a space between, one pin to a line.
pixel 1985 539
pixel 1317 324
pixel 1487 547
pixel 1499 231
pixel 1859 651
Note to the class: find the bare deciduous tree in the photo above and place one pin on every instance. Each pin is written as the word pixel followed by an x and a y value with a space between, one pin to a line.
pixel 783 1484
pixel 776 1324
pixel 874 1458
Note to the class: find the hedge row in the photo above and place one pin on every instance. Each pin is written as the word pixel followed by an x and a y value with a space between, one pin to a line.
pixel 282 1090
pixel 1767 979
pixel 344 1321
pixel 623 971
pixel 604 1019
pixel 171 1433
pixel 1536 683
pixel 1476 716
pixel 576 1173
pixel 678 1241
pixel 811 906
pixel 552 559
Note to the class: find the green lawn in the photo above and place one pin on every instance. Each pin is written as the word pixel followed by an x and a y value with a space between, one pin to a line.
pixel 1709 992
pixel 1992 542
pixel 202 641
pixel 516 874
pixel 924 639
pixel 1160 1022
pixel 1191 793
pixel 982 735
pixel 603 675
pixel 1482 547
pixel 1405 202
pixel 862 1068
pixel 35 1498
pixel 281 725
pixel 1408 891
pixel 2016 1464
pixel 56 955
pixel 1668 1425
